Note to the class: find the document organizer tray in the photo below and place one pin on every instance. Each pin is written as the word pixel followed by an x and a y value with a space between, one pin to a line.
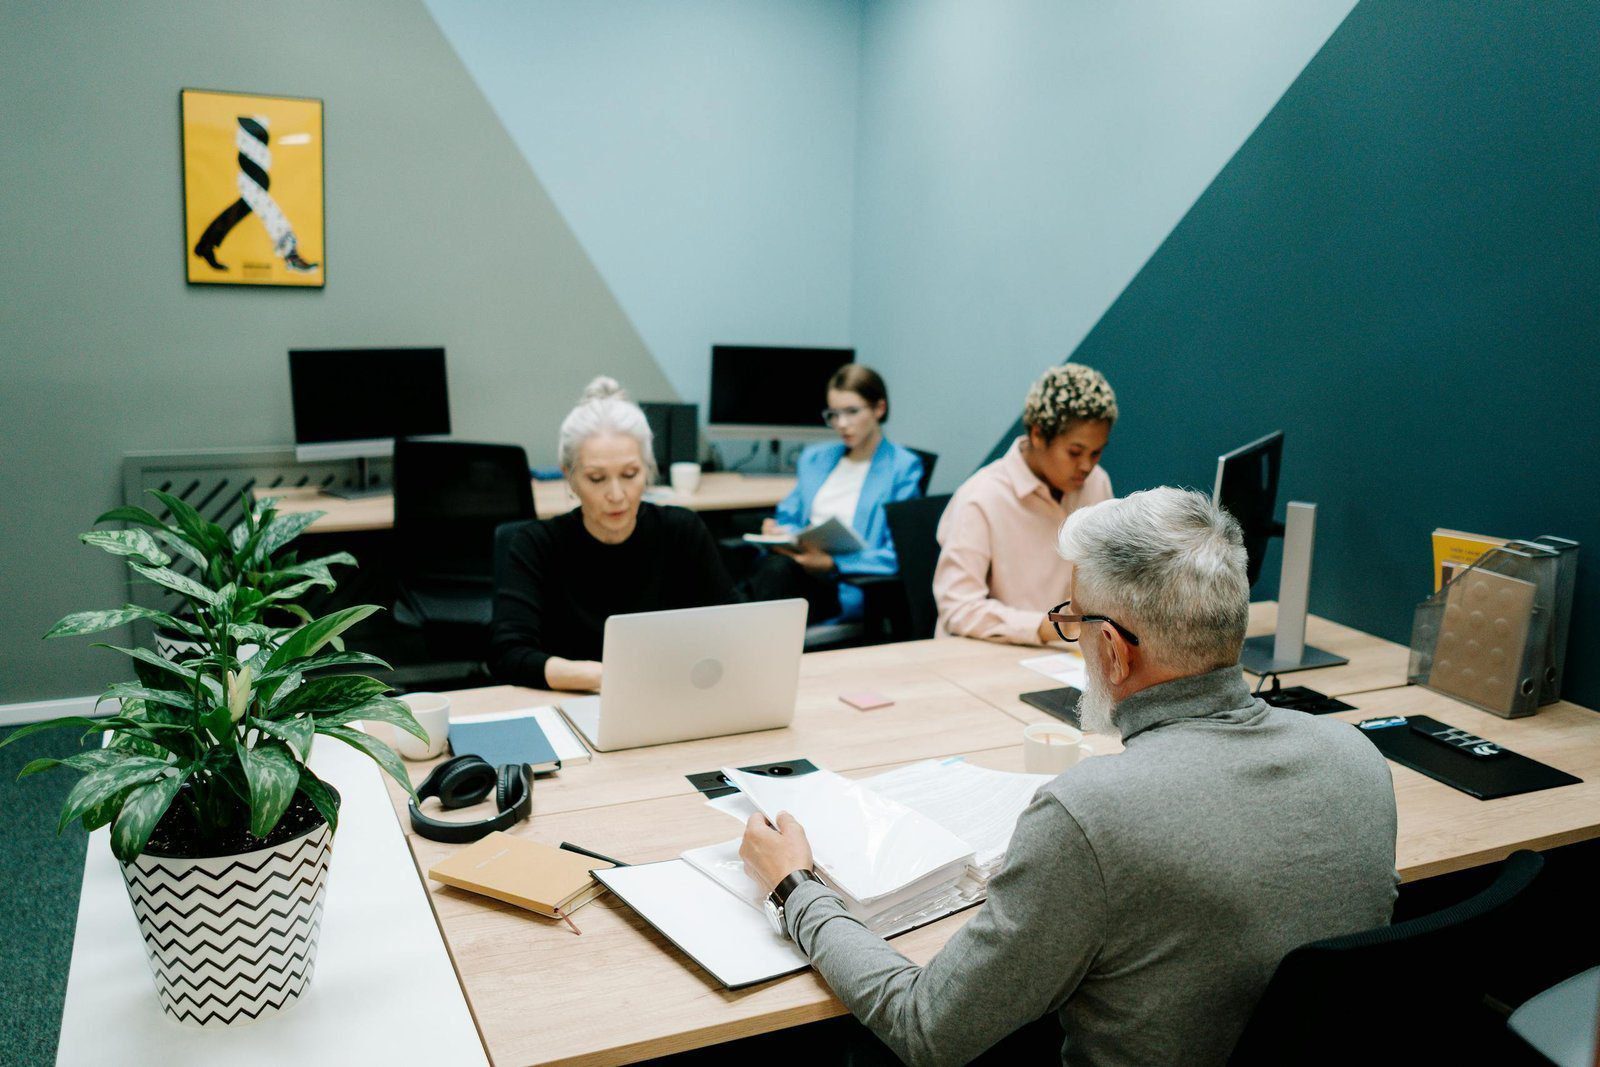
pixel 1505 775
pixel 1483 638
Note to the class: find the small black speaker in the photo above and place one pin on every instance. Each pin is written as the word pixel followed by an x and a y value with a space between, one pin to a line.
pixel 677 432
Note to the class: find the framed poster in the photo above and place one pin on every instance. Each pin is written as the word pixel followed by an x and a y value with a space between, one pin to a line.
pixel 252 189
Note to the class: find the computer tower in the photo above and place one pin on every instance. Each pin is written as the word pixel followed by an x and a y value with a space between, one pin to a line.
pixel 677 432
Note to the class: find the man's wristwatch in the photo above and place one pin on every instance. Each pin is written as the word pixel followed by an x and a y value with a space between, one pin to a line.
pixel 780 897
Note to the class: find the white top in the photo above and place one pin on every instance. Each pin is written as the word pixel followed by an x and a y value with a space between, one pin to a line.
pixel 381 959
pixel 840 492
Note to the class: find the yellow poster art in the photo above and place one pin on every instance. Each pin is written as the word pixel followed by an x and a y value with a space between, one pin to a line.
pixel 252 189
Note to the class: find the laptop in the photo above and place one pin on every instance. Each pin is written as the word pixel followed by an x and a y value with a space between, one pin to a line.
pixel 694 672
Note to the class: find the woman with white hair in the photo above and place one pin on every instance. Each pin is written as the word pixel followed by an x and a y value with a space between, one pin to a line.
pixel 613 554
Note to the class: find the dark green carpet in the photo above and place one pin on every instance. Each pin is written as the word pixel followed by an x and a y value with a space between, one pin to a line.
pixel 40 875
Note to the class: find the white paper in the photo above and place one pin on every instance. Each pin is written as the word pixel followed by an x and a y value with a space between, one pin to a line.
pixel 978 805
pixel 720 932
pixel 1065 667
pixel 735 804
pixel 869 846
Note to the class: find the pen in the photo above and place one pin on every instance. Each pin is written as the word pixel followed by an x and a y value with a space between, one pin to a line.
pixel 570 847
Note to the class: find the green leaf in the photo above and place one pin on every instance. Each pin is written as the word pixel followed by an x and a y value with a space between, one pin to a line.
pixel 134 543
pixel 102 813
pixel 177 583
pixel 131 514
pixel 313 635
pixel 325 799
pixel 208 537
pixel 93 622
pixel 140 812
pixel 127 770
pixel 383 709
pixel 291 591
pixel 65 722
pixel 282 530
pixel 274 776
pixel 182 547
pixel 380 753
pixel 83 761
pixel 324 696
pixel 297 732
pixel 332 659
pixel 132 691
pixel 144 655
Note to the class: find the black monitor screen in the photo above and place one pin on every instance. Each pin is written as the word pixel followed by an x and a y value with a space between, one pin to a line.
pixel 1247 488
pixel 357 394
pixel 762 386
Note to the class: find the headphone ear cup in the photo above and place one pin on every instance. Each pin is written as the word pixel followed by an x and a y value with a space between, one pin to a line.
pixel 464 781
pixel 502 790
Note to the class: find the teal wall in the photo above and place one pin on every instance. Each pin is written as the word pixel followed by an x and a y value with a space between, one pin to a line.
pixel 1401 269
pixel 437 233
pixel 1018 162
pixel 702 151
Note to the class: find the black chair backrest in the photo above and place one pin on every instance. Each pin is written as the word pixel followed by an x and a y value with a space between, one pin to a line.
pixel 929 461
pixel 449 497
pixel 1348 999
pixel 912 526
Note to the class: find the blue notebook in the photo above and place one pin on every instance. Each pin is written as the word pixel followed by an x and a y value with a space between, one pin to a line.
pixel 502 741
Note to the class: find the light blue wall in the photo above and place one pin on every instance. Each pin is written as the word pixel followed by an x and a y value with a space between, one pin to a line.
pixel 1018 161
pixel 701 150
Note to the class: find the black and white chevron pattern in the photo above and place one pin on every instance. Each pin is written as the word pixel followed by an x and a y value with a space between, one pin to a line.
pixel 232 939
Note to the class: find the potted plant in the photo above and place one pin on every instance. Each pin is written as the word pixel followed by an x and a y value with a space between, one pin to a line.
pixel 222 831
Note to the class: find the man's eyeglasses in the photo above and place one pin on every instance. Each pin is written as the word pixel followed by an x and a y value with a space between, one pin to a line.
pixel 831 416
pixel 1058 619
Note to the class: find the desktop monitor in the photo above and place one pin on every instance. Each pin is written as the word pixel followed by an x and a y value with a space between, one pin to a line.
pixel 769 392
pixel 1247 488
pixel 351 403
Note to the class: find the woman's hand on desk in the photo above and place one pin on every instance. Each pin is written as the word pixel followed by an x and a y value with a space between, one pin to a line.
pixel 771 852
pixel 813 560
pixel 572 673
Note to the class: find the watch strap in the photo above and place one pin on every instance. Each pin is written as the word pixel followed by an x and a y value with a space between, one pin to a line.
pixel 792 881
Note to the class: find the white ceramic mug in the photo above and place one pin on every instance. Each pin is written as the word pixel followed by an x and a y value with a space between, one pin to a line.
pixel 685 478
pixel 433 712
pixel 1052 747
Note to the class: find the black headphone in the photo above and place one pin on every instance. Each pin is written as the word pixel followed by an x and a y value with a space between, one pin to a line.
pixel 465 780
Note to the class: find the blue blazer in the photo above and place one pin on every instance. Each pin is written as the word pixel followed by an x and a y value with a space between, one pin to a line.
pixel 895 474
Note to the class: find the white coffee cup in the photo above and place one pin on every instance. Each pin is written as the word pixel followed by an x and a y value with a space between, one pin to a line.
pixel 1052 747
pixel 433 713
pixel 685 478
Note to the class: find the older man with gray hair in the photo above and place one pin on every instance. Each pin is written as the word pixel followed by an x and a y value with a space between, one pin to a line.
pixel 1147 896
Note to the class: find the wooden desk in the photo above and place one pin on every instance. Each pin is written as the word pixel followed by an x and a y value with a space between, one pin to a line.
pixel 620 993
pixel 722 491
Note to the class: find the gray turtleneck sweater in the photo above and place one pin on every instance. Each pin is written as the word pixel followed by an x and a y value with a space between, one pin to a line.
pixel 1147 896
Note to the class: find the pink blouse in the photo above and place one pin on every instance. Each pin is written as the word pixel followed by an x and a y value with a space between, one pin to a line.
pixel 998 571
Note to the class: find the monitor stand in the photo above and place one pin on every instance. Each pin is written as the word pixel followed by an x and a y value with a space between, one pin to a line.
pixel 363 489
pixel 1286 650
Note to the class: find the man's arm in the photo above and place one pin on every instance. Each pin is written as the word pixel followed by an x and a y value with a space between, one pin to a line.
pixel 1021 956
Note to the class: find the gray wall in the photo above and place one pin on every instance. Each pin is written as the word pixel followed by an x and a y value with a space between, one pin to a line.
pixel 437 233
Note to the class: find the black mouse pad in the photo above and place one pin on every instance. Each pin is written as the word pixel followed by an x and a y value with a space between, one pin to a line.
pixel 1505 775
pixel 1058 703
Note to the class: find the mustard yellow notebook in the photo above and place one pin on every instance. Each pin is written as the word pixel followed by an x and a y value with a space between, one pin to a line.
pixel 550 881
pixel 1457 547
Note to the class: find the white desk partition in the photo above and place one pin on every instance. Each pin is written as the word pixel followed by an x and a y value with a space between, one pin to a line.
pixel 384 990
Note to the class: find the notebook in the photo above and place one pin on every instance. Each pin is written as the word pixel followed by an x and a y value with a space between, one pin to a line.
pixel 832 537
pixel 550 881
pixel 539 737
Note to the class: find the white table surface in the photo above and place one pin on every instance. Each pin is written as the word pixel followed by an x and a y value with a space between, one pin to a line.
pixel 384 990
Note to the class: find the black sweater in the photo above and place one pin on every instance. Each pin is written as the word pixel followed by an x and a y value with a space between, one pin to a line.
pixel 562 585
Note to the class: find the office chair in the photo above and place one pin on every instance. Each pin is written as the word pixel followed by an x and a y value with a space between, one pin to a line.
pixel 900 607
pixel 929 461
pixel 1416 991
pixel 450 497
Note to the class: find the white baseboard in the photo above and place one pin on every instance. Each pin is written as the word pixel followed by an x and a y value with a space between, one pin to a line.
pixel 40 710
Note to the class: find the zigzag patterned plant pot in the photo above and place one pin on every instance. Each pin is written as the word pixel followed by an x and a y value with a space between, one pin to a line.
pixel 232 939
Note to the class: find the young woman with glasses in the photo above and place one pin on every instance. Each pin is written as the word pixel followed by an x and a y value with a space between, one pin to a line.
pixel 849 480
pixel 998 573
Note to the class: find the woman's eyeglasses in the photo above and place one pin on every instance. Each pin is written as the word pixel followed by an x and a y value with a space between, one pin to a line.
pixel 832 416
pixel 1058 619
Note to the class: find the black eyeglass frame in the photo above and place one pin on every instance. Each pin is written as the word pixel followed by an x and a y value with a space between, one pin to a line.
pixel 1057 618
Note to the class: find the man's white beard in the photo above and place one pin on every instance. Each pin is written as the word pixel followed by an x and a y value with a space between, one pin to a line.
pixel 1095 708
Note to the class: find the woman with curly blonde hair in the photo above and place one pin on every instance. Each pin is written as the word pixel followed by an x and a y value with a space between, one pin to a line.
pixel 998 571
